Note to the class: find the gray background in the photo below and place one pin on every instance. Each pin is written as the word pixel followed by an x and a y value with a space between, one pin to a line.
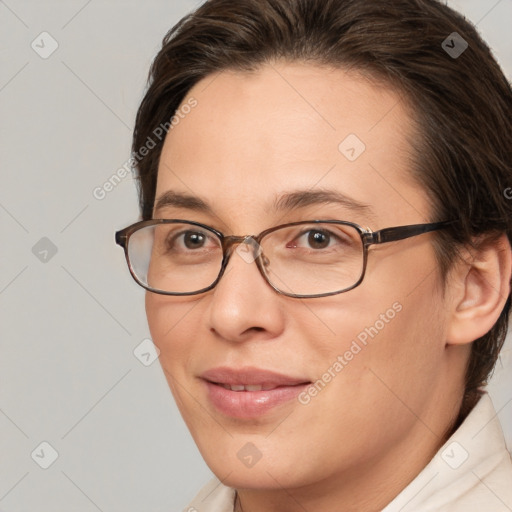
pixel 70 321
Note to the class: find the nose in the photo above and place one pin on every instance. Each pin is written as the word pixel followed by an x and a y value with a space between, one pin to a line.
pixel 243 305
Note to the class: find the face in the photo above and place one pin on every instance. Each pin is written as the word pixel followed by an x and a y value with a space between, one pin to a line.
pixel 350 373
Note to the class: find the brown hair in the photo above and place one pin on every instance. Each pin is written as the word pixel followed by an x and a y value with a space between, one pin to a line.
pixel 462 104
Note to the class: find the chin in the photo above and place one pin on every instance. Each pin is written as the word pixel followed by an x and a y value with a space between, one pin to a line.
pixel 243 463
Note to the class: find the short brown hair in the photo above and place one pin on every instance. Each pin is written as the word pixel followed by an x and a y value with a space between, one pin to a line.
pixel 462 104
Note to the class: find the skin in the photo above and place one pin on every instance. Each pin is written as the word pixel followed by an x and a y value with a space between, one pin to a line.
pixel 370 431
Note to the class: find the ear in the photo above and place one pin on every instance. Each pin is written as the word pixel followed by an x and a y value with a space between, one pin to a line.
pixel 480 287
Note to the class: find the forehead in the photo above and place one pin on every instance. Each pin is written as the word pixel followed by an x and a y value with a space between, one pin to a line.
pixel 287 127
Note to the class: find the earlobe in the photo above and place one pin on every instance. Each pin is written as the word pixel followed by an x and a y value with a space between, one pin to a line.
pixel 482 285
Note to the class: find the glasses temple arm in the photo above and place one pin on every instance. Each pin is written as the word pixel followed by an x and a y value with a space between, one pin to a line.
pixel 402 232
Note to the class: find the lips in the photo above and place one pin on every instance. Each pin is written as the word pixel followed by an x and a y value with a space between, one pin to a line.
pixel 250 392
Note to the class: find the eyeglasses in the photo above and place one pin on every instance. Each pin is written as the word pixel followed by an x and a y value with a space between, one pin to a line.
pixel 301 259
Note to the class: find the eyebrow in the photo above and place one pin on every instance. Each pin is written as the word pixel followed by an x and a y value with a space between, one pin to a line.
pixel 304 198
pixel 179 200
pixel 285 202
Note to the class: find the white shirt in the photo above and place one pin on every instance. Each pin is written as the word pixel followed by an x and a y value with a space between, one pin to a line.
pixel 471 472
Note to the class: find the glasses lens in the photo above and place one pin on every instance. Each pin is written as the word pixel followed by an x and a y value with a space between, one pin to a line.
pixel 313 258
pixel 175 257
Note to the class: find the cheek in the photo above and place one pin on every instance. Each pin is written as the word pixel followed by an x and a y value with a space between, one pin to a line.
pixel 173 324
pixel 173 329
pixel 166 315
pixel 158 311
pixel 381 344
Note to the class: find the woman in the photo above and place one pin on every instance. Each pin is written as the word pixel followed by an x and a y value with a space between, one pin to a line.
pixel 325 246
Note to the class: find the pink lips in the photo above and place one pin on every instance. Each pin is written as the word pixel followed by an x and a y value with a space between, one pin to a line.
pixel 250 392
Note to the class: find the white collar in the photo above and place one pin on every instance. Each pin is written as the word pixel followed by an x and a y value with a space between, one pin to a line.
pixel 472 471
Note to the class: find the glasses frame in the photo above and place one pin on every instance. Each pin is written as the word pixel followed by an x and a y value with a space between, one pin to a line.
pixel 368 238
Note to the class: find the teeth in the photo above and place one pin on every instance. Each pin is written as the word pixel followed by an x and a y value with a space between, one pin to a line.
pixel 255 387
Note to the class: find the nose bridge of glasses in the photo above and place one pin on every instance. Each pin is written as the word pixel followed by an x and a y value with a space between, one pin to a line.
pixel 248 248
pixel 228 242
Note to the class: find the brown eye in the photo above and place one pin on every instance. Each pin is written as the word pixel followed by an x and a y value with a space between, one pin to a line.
pixel 318 239
pixel 193 240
